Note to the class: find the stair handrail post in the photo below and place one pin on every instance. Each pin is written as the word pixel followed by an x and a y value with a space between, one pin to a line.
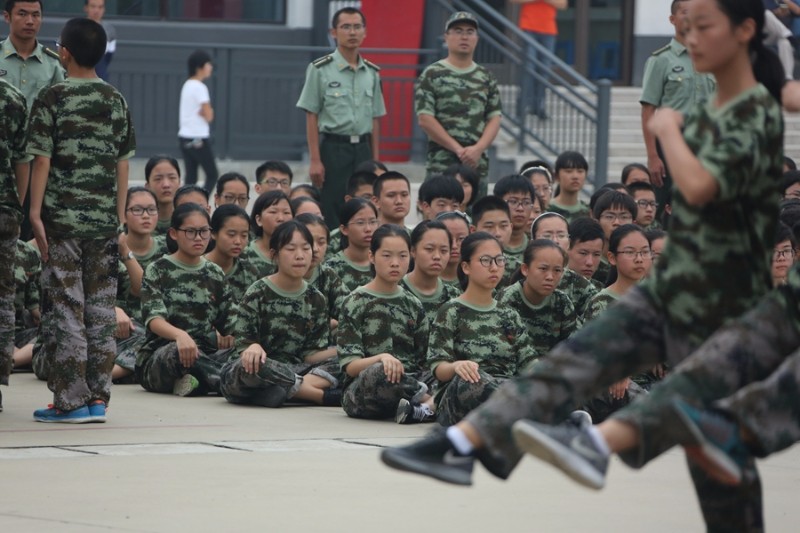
pixel 603 131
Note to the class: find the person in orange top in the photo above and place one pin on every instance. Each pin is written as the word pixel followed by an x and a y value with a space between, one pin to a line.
pixel 538 19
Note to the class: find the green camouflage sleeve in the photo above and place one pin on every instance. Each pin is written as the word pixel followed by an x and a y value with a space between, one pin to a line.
pixel 424 95
pixel 127 143
pixel 224 317
pixel 421 337
pixel 597 305
pixel 41 127
pixel 494 106
pixel 349 340
pixel 441 346
pixel 153 305
pixel 248 313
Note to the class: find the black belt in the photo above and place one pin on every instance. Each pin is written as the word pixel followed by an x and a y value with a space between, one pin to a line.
pixel 348 139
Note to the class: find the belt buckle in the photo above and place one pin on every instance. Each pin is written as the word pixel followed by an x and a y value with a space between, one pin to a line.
pixel 355 139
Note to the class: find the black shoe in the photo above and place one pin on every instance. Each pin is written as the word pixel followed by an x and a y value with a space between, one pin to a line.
pixel 1 401
pixel 433 456
pixel 332 398
pixel 411 413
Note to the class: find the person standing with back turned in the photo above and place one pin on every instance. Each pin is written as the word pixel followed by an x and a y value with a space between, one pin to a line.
pixel 343 100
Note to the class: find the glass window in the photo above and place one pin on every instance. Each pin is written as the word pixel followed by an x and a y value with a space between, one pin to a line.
pixel 196 10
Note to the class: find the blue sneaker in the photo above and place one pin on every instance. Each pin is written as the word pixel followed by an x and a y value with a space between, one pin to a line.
pixel 97 411
pixel 712 442
pixel 51 414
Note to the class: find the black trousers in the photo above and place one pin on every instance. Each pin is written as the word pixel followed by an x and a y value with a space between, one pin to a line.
pixel 197 152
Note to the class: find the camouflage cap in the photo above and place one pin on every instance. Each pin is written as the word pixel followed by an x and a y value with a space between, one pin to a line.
pixel 461 16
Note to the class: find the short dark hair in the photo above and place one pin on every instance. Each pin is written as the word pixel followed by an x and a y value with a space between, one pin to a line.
pixel 348 11
pixel 265 200
pixel 275 166
pixel 790 177
pixel 184 190
pixel 370 165
pixel 673 8
pixel 612 198
pixel 10 4
pixel 640 186
pixel 377 185
pixel 441 186
pixel 308 190
pixel 197 60
pixel 603 189
pixel 467 174
pixel 85 40
pixel 486 204
pixel 359 179
pixel 626 171
pixel 789 162
pixel 585 229
pixel 514 183
pixel 155 160
pixel 228 177
pixel 569 160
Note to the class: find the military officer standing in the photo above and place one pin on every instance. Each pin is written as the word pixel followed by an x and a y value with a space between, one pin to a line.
pixel 670 81
pixel 24 62
pixel 342 98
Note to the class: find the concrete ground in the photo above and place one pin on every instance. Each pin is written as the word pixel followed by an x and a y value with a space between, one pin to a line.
pixel 163 463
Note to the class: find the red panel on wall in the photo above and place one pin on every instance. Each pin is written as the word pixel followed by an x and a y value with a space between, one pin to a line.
pixel 395 25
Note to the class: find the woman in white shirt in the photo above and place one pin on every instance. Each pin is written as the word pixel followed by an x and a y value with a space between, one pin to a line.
pixel 196 115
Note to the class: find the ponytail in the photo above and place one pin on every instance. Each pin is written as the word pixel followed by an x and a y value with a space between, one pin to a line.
pixel 767 68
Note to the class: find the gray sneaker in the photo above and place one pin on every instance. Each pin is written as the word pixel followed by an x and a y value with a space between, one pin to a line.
pixel 567 446
pixel 412 413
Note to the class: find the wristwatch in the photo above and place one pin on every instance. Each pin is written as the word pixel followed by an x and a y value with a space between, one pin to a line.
pixel 128 257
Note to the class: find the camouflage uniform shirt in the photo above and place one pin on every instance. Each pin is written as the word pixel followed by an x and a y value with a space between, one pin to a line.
pixel 431 303
pixel 579 289
pixel 240 277
pixel 27 268
pixel 84 127
pixel 372 323
pixel 599 303
pixel 327 281
pixel 570 212
pixel 132 305
pixel 716 263
pixel 494 337
pixel 352 275
pixel 288 325
pixel 194 298
pixel 549 323
pixel 462 101
pixel 263 265
pixel 12 148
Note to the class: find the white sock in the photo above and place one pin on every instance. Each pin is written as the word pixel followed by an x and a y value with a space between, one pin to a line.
pixel 427 409
pixel 599 440
pixel 459 440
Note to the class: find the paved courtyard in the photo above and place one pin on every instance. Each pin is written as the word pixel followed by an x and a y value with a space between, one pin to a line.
pixel 164 463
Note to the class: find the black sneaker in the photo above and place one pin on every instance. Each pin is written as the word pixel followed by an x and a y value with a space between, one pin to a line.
pixel 567 446
pixel 433 456
pixel 411 413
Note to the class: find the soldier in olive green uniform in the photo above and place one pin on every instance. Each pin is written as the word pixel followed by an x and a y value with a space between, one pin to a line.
pixel 458 104
pixel 13 114
pixel 670 81
pixel 342 99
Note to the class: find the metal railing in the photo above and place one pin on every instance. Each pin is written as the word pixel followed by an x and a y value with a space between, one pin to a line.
pixel 578 109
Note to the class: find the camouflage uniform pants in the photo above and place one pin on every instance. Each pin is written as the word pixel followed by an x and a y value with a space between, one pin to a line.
pixel 370 395
pixel 129 347
pixel 9 229
pixel 273 384
pixel 80 277
pixel 459 397
pixel 629 338
pixel 159 372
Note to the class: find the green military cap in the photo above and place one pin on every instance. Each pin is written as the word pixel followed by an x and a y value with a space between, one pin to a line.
pixel 461 16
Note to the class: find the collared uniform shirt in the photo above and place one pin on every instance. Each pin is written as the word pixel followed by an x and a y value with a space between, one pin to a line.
pixel 29 75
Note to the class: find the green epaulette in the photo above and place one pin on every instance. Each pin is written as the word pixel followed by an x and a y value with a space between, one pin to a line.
pixel 51 53
pixel 371 65
pixel 661 50
pixel 322 61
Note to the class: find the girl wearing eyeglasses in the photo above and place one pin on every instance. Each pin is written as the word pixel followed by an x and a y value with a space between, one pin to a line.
pixel 138 248
pixel 187 308
pixel 270 210
pixel 476 342
pixel 282 330
pixel 554 227
pixel 358 221
pixel 383 337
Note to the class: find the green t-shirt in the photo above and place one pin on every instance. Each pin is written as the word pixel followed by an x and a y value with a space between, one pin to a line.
pixel 716 263
pixel 288 325
pixel 549 323
pixel 85 128
pixel 240 277
pixel 432 302
pixel 494 337
pixel 326 281
pixel 263 264
pixel 351 274
pixel 599 303
pixel 462 101
pixel 125 300
pixel 372 323
pixel 579 289
pixel 194 298
pixel 569 212
pixel 13 117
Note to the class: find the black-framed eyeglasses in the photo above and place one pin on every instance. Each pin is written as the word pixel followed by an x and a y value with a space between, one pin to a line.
pixel 487 260
pixel 193 233
pixel 138 211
